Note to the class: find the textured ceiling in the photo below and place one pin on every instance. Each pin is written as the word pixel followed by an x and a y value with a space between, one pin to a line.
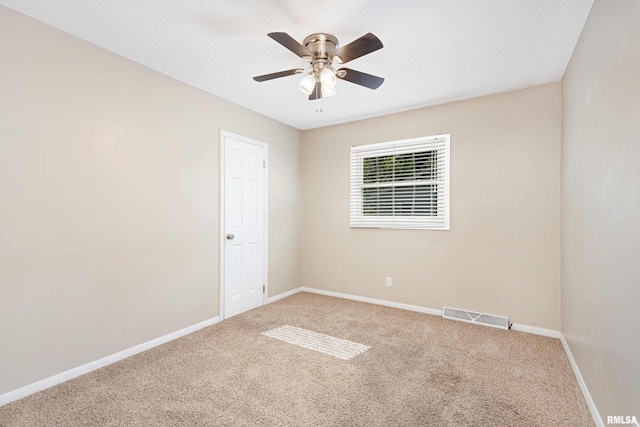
pixel 435 51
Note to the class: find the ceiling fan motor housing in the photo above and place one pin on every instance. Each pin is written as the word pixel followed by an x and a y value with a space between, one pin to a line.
pixel 321 46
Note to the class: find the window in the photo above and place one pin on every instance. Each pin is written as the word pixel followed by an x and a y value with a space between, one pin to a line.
pixel 401 184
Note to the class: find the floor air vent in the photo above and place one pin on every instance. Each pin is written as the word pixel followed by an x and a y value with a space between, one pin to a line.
pixel 473 317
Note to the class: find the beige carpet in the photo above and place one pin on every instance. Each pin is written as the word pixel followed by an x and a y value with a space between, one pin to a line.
pixel 420 370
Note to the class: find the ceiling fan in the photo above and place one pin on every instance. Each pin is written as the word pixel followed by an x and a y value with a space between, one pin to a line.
pixel 322 51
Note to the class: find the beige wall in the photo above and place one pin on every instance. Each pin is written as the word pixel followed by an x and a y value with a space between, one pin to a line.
pixel 502 254
pixel 109 201
pixel 601 206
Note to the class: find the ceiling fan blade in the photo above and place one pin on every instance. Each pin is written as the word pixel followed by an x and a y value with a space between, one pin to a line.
pixel 279 74
pixel 317 92
pixel 290 43
pixel 357 48
pixel 359 78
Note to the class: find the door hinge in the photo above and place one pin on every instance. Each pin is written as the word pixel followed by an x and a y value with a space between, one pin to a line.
pixel 264 164
pixel 263 289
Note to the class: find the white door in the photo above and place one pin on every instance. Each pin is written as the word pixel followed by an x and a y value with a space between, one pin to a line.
pixel 243 228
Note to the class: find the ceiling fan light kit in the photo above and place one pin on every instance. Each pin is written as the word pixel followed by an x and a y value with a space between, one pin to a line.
pixel 307 84
pixel 328 77
pixel 328 90
pixel 322 51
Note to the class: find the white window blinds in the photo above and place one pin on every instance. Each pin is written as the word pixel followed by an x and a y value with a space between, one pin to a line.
pixel 401 184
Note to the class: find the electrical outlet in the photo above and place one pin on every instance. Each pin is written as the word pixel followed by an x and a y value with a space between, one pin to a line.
pixel 388 282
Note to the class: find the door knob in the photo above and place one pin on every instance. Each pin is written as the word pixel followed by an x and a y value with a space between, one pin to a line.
pixel 230 236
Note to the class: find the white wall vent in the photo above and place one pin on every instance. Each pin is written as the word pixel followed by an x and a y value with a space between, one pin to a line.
pixel 473 317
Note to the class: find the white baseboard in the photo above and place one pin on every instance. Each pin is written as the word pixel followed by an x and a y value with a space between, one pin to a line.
pixel 516 326
pixel 283 295
pixel 536 331
pixel 100 363
pixel 583 386
pixel 374 301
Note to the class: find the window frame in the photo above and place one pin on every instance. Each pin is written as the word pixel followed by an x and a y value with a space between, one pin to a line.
pixel 440 144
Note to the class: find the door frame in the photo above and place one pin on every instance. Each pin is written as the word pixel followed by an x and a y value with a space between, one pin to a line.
pixel 223 135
